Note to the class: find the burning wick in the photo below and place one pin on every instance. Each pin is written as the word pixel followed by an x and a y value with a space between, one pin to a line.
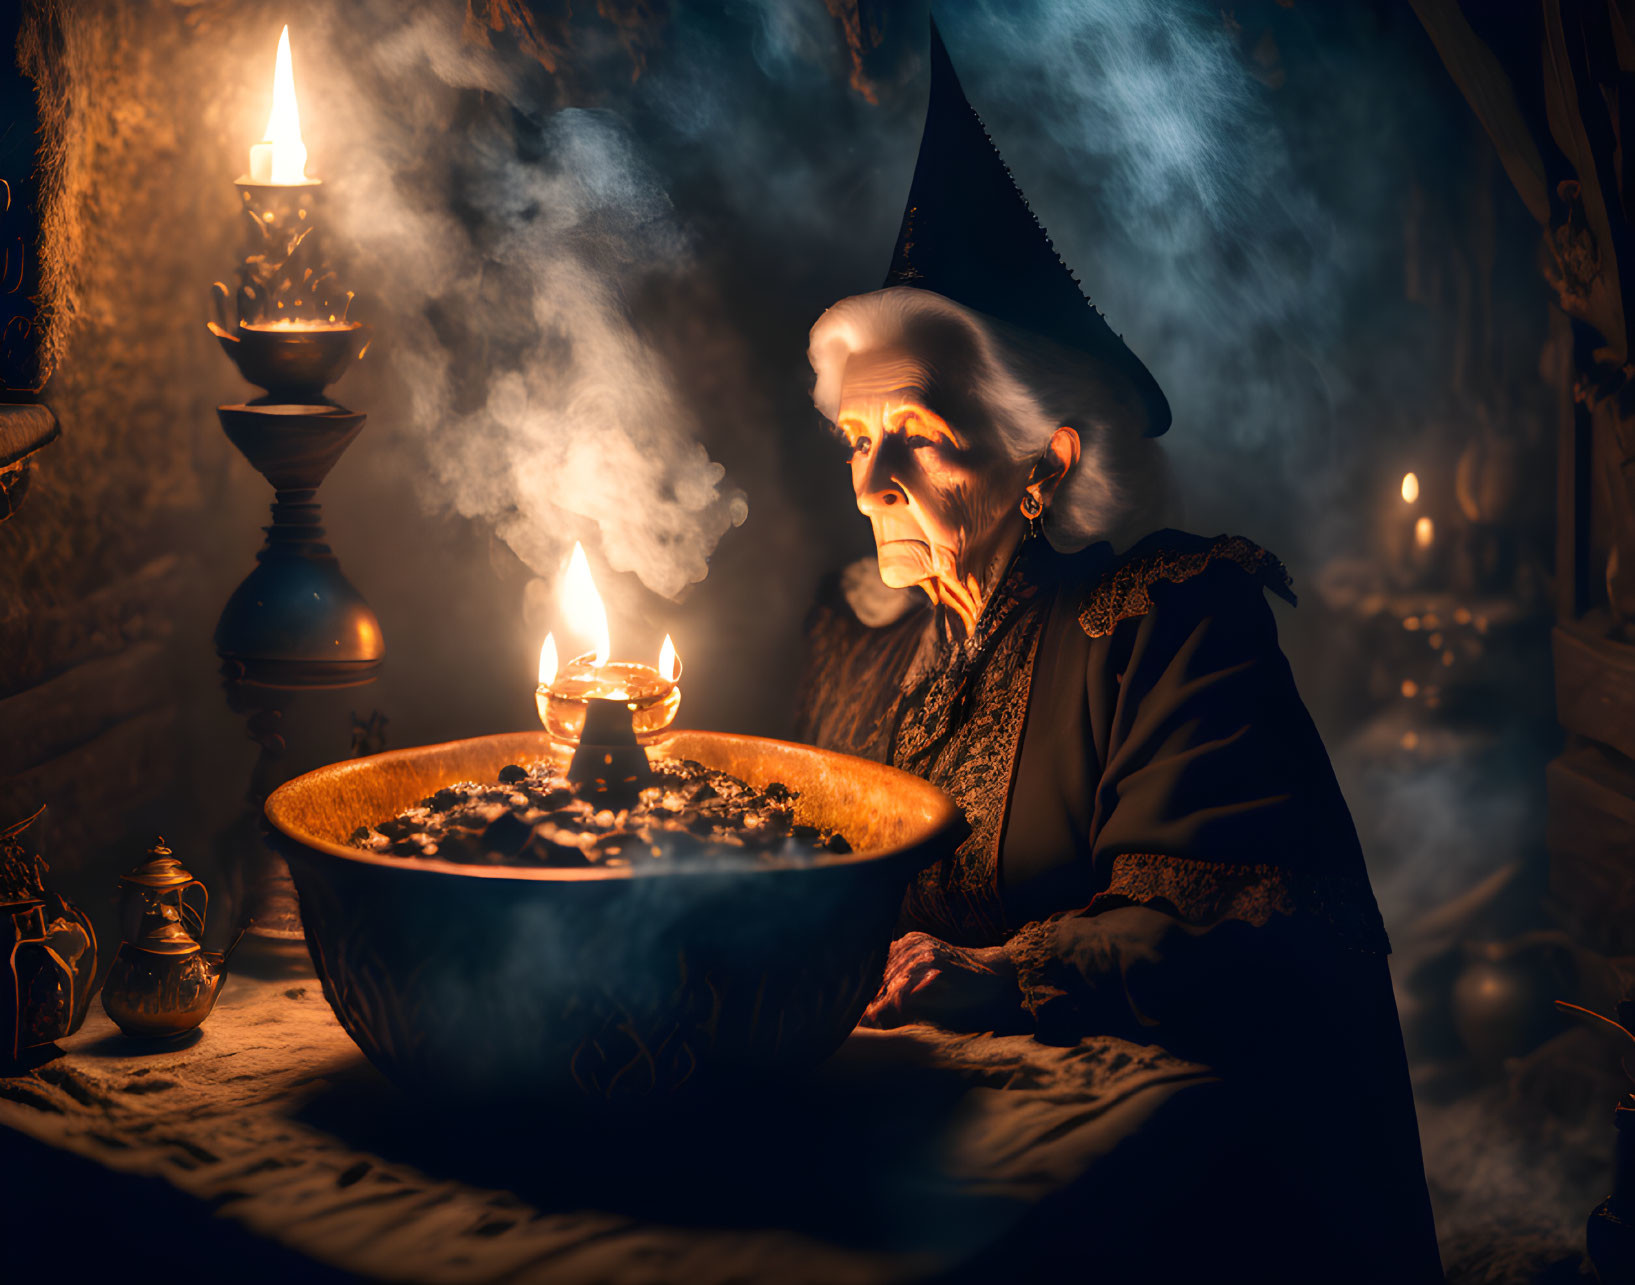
pixel 1410 488
pixel 281 157
pixel 564 689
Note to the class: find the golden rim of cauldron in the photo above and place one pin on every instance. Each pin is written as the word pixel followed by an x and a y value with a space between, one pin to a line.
pixel 935 810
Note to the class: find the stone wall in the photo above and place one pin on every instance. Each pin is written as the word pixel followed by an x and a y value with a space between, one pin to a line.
pixel 103 571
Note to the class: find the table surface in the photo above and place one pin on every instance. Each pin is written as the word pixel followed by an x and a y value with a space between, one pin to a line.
pixel 911 1154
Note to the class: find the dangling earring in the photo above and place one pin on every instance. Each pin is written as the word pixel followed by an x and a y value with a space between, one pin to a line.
pixel 1033 509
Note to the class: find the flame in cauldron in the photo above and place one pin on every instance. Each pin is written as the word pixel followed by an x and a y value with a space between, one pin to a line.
pixel 583 605
pixel 548 663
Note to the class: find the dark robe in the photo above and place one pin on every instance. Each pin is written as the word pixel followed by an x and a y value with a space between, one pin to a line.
pixel 1159 843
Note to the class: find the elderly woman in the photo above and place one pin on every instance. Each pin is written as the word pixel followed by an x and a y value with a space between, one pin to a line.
pixel 1158 848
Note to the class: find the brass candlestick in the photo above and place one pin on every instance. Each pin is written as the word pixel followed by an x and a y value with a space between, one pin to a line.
pixel 296 624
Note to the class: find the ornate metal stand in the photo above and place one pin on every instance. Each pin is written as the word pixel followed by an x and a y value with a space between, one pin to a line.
pixel 296 621
pixel 295 624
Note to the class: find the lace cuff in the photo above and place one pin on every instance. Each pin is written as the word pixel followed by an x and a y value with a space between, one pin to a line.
pixel 1206 892
pixel 1047 992
pixel 1195 892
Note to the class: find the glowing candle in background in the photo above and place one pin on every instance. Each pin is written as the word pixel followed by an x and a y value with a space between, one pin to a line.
pixel 1410 537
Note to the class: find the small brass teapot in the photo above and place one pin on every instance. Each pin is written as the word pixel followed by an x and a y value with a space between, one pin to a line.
pixel 162 983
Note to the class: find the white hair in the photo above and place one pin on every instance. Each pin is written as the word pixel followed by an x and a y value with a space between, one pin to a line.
pixel 1022 388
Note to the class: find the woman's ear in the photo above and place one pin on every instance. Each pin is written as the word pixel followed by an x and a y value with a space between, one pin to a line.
pixel 1060 456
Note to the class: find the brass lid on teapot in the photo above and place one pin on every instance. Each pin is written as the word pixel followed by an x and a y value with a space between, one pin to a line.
pixel 160 871
pixel 154 920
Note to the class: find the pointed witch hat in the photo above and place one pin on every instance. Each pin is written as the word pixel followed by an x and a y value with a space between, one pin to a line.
pixel 969 235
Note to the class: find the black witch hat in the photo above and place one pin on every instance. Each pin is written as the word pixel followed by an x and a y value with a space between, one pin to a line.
pixel 969 235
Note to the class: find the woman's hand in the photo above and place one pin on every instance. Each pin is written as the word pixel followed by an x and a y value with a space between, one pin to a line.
pixel 958 988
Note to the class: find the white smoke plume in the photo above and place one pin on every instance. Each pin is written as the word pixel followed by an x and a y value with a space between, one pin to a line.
pixel 504 253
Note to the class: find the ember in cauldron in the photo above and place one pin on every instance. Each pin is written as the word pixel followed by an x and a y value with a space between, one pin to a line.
pixel 538 816
pixel 615 984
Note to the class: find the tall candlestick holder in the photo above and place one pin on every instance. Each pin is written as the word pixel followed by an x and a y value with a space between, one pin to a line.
pixel 296 623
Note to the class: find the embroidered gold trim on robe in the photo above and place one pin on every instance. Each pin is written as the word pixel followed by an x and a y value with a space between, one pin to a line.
pixel 960 727
pixel 1125 594
pixel 1204 892
pixel 851 680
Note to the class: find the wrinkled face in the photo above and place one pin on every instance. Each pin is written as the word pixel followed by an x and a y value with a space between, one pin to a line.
pixel 940 494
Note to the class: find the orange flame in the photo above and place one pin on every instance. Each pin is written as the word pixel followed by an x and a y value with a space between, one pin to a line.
pixel 667 660
pixel 583 605
pixel 281 156
pixel 547 662
pixel 1424 533
pixel 1410 487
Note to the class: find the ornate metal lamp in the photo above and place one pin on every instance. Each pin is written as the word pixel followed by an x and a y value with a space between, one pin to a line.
pixel 296 623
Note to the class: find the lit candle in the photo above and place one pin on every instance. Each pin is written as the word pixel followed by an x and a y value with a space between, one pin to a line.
pixel 548 663
pixel 1409 536
pixel 583 606
pixel 651 693
pixel 280 158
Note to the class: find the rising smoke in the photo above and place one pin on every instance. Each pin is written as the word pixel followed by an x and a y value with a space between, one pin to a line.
pixel 1247 251
pixel 505 249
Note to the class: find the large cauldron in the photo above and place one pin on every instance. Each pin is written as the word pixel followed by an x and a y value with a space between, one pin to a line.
pixel 513 983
